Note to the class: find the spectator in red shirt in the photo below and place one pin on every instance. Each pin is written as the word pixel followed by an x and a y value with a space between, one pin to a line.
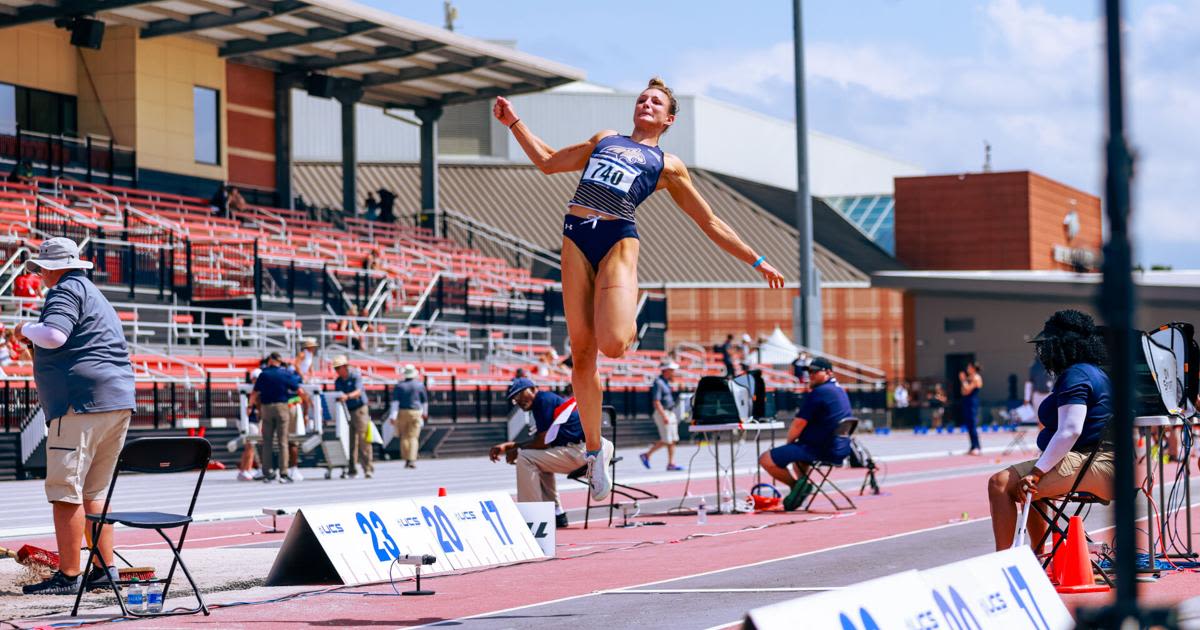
pixel 28 285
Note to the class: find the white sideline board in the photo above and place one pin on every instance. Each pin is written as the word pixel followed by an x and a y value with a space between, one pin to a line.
pixel 1005 590
pixel 356 543
pixel 539 516
pixel 899 602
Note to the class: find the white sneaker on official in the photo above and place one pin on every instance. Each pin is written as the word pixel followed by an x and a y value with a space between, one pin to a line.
pixel 294 473
pixel 245 475
pixel 598 474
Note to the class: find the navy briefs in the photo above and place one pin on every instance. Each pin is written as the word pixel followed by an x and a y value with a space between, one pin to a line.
pixel 595 237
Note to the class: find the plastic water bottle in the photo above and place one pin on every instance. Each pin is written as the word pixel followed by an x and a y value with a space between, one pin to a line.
pixel 726 501
pixel 135 596
pixel 154 597
pixel 701 513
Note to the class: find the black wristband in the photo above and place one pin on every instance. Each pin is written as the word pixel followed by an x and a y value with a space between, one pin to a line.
pixel 514 124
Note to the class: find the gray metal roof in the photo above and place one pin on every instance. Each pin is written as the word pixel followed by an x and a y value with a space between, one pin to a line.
pixel 397 62
pixel 520 200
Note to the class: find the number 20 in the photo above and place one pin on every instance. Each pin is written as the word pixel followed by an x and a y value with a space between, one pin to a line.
pixel 446 534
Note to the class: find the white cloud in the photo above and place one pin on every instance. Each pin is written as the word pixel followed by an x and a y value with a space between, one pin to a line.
pixel 1034 89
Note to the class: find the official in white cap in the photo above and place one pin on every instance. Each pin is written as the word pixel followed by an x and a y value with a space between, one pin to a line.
pixel 85 387
pixel 349 383
pixel 408 411
pixel 663 400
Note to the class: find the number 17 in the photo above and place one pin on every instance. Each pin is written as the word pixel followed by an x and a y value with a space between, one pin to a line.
pixel 501 531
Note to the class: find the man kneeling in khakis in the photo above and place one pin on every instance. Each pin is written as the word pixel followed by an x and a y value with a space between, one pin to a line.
pixel 409 410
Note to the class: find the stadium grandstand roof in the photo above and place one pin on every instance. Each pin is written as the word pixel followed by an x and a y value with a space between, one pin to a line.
pixel 521 200
pixel 397 62
pixel 830 228
pixel 1154 286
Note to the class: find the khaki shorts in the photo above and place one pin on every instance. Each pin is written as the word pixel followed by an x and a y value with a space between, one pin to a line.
pixel 1057 482
pixel 81 453
pixel 668 427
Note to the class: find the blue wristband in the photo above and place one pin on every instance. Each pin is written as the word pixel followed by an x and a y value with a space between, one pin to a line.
pixel 759 262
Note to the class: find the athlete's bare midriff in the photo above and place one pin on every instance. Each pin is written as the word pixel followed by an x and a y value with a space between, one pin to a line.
pixel 584 212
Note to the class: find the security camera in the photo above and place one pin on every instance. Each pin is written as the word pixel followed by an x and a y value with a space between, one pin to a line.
pixel 416 559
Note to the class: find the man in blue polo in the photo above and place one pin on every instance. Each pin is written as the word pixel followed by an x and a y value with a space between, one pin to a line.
pixel 85 386
pixel 272 390
pixel 813 434
pixel 556 447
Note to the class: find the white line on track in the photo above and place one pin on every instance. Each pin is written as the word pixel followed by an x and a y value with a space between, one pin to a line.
pixel 713 572
pixel 674 591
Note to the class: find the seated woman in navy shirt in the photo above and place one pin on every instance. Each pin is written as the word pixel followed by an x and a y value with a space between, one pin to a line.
pixel 1075 416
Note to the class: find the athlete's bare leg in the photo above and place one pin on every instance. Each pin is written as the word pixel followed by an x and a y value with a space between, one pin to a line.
pixel 601 316
pixel 615 320
pixel 578 282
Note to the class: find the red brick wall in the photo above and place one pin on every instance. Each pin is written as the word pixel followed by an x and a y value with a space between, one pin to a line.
pixel 865 325
pixel 963 222
pixel 251 120
pixel 989 221
pixel 1049 202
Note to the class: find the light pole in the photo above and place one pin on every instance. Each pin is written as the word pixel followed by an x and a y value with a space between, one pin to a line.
pixel 809 333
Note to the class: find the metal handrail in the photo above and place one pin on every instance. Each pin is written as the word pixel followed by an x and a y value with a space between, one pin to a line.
pixel 378 298
pixel 73 214
pixel 500 237
pixel 8 264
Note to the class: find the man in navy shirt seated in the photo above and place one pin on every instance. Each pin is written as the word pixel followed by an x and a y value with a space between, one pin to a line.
pixel 813 434
pixel 556 447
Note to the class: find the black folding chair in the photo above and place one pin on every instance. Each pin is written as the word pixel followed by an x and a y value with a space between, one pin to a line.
pixel 152 456
pixel 629 492
pixel 820 470
pixel 1053 510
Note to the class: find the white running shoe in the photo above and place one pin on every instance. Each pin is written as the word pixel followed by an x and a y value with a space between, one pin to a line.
pixel 245 475
pixel 294 473
pixel 598 472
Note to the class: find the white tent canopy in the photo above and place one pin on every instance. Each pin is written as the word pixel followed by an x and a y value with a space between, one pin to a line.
pixel 777 349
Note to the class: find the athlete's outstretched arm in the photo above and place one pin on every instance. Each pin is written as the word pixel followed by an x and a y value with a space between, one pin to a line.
pixel 679 184
pixel 543 156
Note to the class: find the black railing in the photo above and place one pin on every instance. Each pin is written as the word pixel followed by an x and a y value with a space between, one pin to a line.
pixel 133 265
pixel 58 222
pixel 90 159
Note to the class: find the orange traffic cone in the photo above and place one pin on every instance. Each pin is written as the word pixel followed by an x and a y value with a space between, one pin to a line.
pixel 1052 568
pixel 1073 564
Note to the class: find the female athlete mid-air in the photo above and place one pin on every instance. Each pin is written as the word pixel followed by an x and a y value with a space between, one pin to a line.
pixel 600 242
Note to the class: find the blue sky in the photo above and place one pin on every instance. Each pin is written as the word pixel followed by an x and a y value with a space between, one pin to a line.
pixel 926 81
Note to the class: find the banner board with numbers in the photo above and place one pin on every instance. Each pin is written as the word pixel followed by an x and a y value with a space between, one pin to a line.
pixel 1006 590
pixel 357 543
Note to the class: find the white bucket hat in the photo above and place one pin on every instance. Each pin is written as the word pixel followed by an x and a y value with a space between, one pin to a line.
pixel 340 360
pixel 410 371
pixel 669 365
pixel 58 253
